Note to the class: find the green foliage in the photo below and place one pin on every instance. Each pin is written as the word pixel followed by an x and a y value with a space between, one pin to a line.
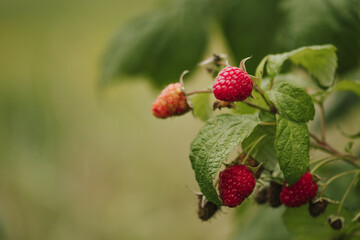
pixel 153 45
pixel 299 222
pixel 292 102
pixel 201 106
pixel 292 148
pixel 250 28
pixel 264 150
pixel 347 85
pixel 336 22
pixel 215 141
pixel 264 223
pixel 319 61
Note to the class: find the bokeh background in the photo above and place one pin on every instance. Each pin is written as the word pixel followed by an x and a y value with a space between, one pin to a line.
pixel 79 161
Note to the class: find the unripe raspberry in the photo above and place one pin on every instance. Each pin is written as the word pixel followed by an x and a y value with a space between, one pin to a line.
pixel 232 84
pixel 170 102
pixel 300 192
pixel 235 184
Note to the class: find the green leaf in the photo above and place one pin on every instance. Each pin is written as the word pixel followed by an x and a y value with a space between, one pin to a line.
pixel 159 45
pixel 240 14
pixel 319 61
pixel 213 144
pixel 259 221
pixel 292 148
pixel 292 102
pixel 347 85
pixel 260 68
pixel 243 108
pixel 264 151
pixel 302 226
pixel 201 106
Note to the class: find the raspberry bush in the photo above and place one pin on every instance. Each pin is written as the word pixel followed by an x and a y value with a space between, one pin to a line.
pixel 256 143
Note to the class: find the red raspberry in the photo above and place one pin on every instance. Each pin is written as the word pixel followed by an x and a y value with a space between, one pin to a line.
pixel 232 84
pixel 235 184
pixel 170 102
pixel 300 192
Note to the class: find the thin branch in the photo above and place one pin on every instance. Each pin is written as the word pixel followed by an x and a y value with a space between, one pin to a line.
pixel 324 144
pixel 346 194
pixel 336 177
pixel 272 107
pixel 198 91
pixel 322 111
pixel 323 163
pixel 256 106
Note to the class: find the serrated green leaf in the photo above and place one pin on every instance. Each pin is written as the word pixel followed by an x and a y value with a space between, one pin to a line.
pixel 159 45
pixel 201 106
pixel 319 61
pixel 292 148
pixel 292 102
pixel 347 85
pixel 213 144
pixel 264 150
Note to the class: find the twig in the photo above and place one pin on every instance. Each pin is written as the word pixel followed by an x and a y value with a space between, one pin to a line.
pixel 346 194
pixel 335 177
pixel 323 163
pixel 272 107
pixel 322 111
pixel 256 106
pixel 324 144
pixel 198 91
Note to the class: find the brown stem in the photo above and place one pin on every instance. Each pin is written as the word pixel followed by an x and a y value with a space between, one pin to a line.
pixel 345 157
pixel 325 145
pixel 256 106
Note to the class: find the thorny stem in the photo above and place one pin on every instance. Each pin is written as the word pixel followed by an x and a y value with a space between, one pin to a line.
pixel 322 121
pixel 335 177
pixel 198 91
pixel 346 193
pixel 256 106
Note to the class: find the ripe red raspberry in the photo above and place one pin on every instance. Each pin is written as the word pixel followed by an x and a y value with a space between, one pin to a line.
pixel 232 84
pixel 170 102
pixel 235 184
pixel 300 192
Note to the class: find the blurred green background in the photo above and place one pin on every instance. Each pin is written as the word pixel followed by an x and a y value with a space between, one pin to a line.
pixel 80 163
pixel 77 163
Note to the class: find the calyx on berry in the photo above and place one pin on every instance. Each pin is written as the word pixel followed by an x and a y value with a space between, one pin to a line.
pixel 233 84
